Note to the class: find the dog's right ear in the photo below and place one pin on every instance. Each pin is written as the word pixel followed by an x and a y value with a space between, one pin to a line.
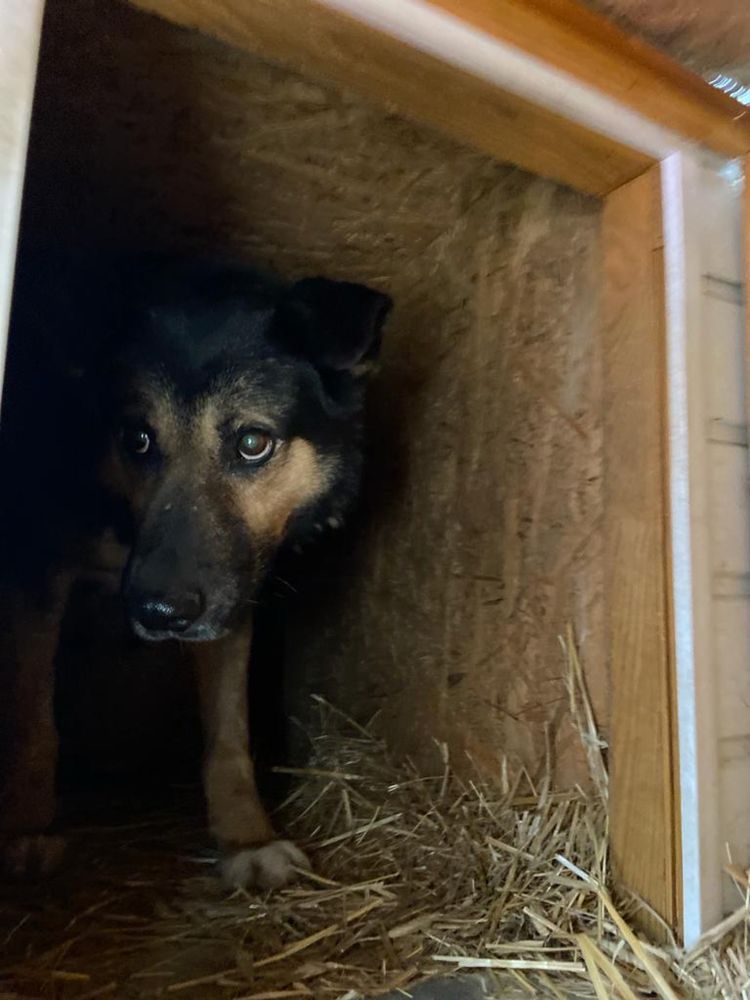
pixel 336 325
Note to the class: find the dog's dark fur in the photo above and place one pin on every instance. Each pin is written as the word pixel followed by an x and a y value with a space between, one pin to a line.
pixel 199 419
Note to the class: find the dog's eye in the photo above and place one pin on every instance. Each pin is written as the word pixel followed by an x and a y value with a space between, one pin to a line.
pixel 136 441
pixel 255 446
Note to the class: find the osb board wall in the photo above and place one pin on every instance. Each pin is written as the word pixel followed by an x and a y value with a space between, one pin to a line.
pixel 483 529
pixel 480 535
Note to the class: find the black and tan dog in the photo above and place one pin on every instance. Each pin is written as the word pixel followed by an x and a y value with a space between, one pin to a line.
pixel 207 418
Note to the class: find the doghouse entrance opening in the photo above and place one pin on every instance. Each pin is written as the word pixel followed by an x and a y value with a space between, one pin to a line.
pixel 433 617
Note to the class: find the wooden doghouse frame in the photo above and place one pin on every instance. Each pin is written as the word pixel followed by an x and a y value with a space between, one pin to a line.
pixel 555 89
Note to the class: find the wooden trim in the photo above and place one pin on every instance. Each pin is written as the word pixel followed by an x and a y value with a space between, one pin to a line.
pixel 558 90
pixel 689 250
pixel 746 267
pixel 595 51
pixel 323 42
pixel 644 814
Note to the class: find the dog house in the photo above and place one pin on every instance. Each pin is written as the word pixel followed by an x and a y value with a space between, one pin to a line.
pixel 559 432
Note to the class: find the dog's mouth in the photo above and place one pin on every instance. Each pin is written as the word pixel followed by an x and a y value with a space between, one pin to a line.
pixel 197 632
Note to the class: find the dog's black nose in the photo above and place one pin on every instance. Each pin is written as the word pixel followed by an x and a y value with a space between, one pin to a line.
pixel 160 613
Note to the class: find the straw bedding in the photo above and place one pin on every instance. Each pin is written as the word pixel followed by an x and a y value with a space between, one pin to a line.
pixel 414 877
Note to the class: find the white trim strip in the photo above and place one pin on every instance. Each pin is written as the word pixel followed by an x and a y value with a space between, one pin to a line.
pixel 20 33
pixel 437 33
pixel 691 565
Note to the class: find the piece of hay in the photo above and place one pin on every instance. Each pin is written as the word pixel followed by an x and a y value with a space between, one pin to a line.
pixel 414 876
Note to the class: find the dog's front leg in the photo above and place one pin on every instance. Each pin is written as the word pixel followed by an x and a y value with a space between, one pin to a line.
pixel 251 854
pixel 28 736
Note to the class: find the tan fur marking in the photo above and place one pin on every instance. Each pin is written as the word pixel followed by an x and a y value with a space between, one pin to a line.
pixel 266 500
pixel 236 814
pixel 205 436
pixel 292 479
pixel 159 408
pixel 153 404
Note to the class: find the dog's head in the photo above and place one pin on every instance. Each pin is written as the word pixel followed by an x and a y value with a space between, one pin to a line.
pixel 236 429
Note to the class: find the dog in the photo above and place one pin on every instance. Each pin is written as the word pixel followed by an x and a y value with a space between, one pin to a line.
pixel 206 418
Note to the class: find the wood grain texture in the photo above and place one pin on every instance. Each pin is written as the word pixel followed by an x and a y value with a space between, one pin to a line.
pixel 594 50
pixel 746 275
pixel 314 39
pixel 481 533
pixel 644 804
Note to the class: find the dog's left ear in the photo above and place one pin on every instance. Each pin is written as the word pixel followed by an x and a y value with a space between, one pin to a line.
pixel 334 324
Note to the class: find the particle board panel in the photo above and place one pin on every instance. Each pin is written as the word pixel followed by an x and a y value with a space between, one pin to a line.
pixel 724 350
pixel 721 227
pixel 318 40
pixel 644 767
pixel 724 354
pixel 731 615
pixel 482 528
pixel 729 509
pixel 734 778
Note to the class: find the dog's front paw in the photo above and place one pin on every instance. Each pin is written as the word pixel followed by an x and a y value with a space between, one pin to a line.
pixel 268 867
pixel 31 856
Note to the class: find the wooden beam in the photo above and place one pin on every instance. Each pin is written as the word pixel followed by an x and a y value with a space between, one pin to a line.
pixel 593 50
pixel 322 42
pixel 644 814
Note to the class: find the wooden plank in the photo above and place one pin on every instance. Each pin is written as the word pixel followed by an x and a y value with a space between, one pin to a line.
pixel 670 764
pixel 644 759
pixel 688 193
pixel 595 51
pixel 322 42
pixel 746 276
